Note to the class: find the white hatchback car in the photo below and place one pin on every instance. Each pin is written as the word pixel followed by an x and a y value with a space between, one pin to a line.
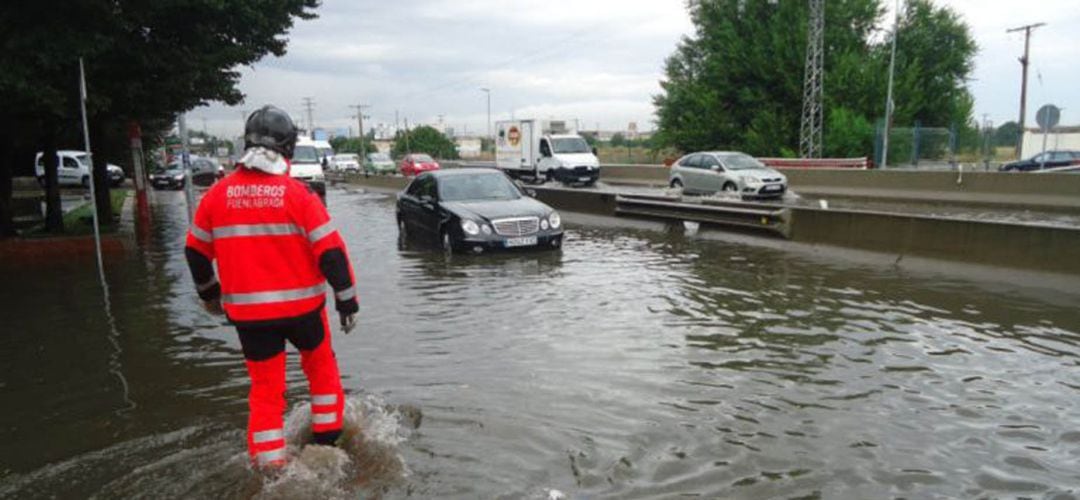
pixel 726 171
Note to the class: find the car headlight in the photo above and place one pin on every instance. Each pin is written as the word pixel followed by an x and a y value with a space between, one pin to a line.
pixel 178 177
pixel 318 177
pixel 470 227
pixel 750 180
pixel 555 220
pixel 544 224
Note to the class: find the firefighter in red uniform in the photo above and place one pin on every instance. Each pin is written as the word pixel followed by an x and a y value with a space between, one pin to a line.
pixel 276 250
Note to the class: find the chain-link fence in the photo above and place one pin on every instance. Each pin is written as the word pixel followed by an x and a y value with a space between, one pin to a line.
pixel 983 147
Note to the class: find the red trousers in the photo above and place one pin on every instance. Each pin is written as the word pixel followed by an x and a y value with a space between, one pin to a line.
pixel 264 353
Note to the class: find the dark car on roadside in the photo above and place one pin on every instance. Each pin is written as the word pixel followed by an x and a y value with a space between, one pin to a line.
pixel 1049 159
pixel 475 210
pixel 204 172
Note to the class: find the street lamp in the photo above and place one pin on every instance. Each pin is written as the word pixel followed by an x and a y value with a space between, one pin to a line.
pixel 488 92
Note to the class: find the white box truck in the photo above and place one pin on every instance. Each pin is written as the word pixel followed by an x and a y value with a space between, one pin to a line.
pixel 543 150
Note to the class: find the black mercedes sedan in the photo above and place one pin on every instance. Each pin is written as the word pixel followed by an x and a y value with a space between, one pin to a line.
pixel 475 210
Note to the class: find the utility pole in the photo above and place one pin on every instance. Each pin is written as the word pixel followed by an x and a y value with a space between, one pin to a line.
pixel 488 92
pixel 309 107
pixel 1024 61
pixel 888 98
pixel 810 129
pixel 408 150
pixel 360 122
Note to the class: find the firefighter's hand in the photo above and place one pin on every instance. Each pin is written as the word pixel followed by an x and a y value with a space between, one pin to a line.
pixel 348 322
pixel 213 307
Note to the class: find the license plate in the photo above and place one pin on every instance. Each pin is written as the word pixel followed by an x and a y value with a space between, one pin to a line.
pixel 583 179
pixel 771 188
pixel 520 242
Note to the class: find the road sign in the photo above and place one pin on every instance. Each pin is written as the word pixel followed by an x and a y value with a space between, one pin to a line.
pixel 1048 116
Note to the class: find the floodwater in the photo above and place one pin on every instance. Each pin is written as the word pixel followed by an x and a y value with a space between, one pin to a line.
pixel 632 364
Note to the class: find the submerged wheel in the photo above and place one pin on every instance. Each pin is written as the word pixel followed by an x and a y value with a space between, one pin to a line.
pixel 676 184
pixel 730 187
pixel 86 181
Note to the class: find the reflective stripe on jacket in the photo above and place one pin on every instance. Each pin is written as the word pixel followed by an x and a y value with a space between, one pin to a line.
pixel 275 246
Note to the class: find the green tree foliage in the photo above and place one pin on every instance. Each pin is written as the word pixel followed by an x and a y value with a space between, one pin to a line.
pixel 736 83
pixel 617 139
pixel 847 134
pixel 352 144
pixel 1007 134
pixel 145 62
pixel 424 139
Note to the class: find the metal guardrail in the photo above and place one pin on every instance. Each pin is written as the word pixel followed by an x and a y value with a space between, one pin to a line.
pixel 757 218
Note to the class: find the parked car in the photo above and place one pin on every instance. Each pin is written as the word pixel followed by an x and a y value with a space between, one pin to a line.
pixel 74 169
pixel 730 172
pixel 413 164
pixel 204 172
pixel 1049 159
pixel 347 163
pixel 379 163
pixel 475 210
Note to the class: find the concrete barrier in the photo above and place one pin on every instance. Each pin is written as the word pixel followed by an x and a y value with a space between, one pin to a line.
pixel 1024 246
pixel 1042 191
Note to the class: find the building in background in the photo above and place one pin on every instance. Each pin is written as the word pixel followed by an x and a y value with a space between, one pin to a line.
pixel 1058 138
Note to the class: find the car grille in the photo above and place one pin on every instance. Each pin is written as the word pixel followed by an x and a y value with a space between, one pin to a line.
pixel 516 227
pixel 777 179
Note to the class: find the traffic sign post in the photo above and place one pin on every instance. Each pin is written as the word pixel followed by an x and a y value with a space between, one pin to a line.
pixel 1047 117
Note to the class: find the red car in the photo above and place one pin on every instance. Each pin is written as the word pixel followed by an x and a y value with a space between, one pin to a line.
pixel 417 163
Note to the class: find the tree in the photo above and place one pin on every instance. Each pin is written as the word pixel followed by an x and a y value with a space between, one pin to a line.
pixel 617 139
pixel 145 62
pixel 424 139
pixel 352 145
pixel 736 82
pixel 1007 134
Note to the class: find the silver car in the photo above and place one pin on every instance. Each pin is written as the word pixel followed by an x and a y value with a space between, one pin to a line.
pixel 731 172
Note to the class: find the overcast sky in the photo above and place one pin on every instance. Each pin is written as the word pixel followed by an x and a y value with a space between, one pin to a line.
pixel 597 61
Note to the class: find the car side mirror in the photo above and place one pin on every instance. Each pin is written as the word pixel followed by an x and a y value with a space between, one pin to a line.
pixel 715 168
pixel 594 151
pixel 531 193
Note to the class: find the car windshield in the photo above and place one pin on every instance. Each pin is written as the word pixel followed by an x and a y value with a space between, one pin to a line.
pixel 83 158
pixel 469 187
pixel 379 157
pixel 305 154
pixel 570 145
pixel 422 159
pixel 741 162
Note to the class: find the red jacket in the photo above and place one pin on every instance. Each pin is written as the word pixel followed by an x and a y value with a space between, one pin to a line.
pixel 275 247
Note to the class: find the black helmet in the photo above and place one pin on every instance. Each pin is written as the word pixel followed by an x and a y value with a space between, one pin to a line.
pixel 271 128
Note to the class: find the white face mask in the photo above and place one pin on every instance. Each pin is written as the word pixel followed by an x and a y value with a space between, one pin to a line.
pixel 266 160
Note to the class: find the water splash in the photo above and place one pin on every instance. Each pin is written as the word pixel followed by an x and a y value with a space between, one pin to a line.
pixel 367 461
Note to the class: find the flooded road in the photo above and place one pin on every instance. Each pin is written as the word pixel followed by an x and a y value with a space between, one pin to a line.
pixel 632 364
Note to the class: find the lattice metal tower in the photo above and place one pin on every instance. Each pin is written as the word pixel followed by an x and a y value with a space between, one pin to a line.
pixel 812 113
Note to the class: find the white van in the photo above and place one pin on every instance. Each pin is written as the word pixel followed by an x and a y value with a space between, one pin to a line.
pixel 73 169
pixel 307 165
pixel 544 150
